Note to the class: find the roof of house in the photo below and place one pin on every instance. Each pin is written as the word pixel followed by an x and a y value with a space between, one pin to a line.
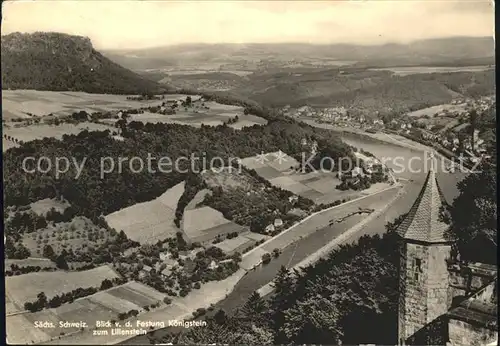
pixel 166 271
pixel 423 222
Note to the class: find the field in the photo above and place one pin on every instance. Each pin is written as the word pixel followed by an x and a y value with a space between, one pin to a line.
pixel 25 288
pixel 227 179
pixel 106 305
pixel 197 199
pixel 17 103
pixel 41 262
pixel 404 71
pixel 39 131
pixel 317 186
pixel 151 221
pixel 43 206
pixel 240 243
pixel 216 114
pixel 440 110
pixel 80 234
pixel 205 223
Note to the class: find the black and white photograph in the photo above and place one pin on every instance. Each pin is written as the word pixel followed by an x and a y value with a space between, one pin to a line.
pixel 249 172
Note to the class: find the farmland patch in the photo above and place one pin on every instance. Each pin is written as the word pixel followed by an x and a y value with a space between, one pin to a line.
pixel 25 288
pixel 151 221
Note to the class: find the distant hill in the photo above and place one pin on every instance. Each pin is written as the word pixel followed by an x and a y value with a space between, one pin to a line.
pixel 55 61
pixel 367 90
pixel 441 51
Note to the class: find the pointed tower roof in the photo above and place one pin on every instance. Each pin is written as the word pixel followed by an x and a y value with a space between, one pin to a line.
pixel 423 222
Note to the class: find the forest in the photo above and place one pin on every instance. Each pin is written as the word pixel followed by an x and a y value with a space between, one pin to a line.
pixel 91 196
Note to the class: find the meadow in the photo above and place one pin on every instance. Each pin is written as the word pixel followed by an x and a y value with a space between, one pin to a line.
pixel 316 186
pixel 79 235
pixel 40 131
pixel 205 223
pixel 439 109
pixel 25 288
pixel 151 221
pixel 43 206
pixel 30 104
pixel 17 103
pixel 207 113
pixel 105 304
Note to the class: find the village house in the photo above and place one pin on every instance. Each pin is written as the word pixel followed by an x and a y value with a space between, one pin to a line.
pixel 269 229
pixel 213 265
pixel 166 272
pixel 145 271
pixel 356 171
pixel 278 223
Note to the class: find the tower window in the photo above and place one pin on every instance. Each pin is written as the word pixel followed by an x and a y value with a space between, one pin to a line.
pixel 417 268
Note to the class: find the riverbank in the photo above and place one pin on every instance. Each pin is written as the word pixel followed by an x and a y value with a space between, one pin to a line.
pixel 302 229
pixel 395 139
pixel 328 248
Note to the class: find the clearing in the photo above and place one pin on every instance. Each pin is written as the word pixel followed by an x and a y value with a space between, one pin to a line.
pixel 31 132
pixel 199 112
pixel 17 103
pixel 149 222
pixel 440 110
pixel 42 207
pixel 106 305
pixel 316 186
pixel 205 224
pixel 80 234
pixel 25 288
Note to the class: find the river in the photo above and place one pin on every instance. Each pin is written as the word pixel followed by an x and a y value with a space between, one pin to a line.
pixel 294 253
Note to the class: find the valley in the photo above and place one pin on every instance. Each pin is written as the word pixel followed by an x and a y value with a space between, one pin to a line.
pixel 237 205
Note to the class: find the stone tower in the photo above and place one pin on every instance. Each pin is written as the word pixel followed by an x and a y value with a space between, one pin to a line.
pixel 424 249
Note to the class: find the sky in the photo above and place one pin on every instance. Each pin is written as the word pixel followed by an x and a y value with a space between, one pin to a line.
pixel 121 24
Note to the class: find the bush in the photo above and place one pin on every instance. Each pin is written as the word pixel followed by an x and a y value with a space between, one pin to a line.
pixel 266 258
pixel 276 252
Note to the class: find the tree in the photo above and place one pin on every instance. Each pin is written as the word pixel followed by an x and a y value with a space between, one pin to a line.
pixel 220 317
pixel 210 334
pixel 474 216
pixel 61 261
pixel 48 252
pixel 105 284
pixel 255 309
pixel 236 257
pixel 266 258
pixel 276 252
pixel 312 321
pixel 42 298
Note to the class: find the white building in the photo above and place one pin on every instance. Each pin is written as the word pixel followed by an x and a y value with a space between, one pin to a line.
pixel 356 172
pixel 270 228
pixel 278 223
